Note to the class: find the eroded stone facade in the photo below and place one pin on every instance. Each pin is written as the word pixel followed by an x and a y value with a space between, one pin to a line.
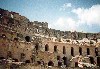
pixel 42 40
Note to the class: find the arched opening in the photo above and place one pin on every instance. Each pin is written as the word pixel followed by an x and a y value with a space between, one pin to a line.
pixel 55 48
pixel 16 39
pixel 37 46
pixel 22 55
pixel 72 51
pixel 64 50
pixel 46 47
pixel 58 57
pixel 96 51
pixel 50 63
pixel 98 61
pixel 27 61
pixel 2 58
pixel 3 35
pixel 76 64
pixel 65 61
pixel 88 51
pixel 91 60
pixel 80 50
pixel 59 63
pixel 16 60
pixel 27 38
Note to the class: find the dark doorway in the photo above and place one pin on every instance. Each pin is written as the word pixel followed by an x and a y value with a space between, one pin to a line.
pixel 98 61
pixel 27 61
pixel 3 35
pixel 16 60
pixel 65 61
pixel 22 55
pixel 88 51
pixel 16 39
pixel 91 60
pixel 50 63
pixel 2 58
pixel 64 50
pixel 59 63
pixel 58 57
pixel 37 46
pixel 55 48
pixel 27 38
pixel 80 50
pixel 72 51
pixel 76 64
pixel 96 51
pixel 46 47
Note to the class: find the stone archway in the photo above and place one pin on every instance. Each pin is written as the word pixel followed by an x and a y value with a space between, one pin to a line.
pixel 72 51
pixel 80 50
pixel 65 61
pixel 91 60
pixel 27 38
pixel 96 51
pixel 98 61
pixel 88 51
pixel 64 50
pixel 55 48
pixel 46 47
pixel 50 63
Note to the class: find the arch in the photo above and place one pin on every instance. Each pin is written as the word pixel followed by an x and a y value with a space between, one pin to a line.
pixel 22 55
pixel 80 50
pixel 58 57
pixel 65 61
pixel 50 63
pixel 46 47
pixel 72 51
pixel 3 35
pixel 27 61
pixel 27 38
pixel 2 58
pixel 37 46
pixel 96 51
pixel 59 63
pixel 16 60
pixel 88 51
pixel 16 39
pixel 64 50
pixel 91 60
pixel 98 61
pixel 55 48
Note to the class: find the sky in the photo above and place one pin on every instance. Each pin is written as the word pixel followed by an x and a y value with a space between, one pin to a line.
pixel 65 15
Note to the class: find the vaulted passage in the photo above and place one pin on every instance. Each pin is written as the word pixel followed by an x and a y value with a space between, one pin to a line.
pixel 58 57
pixel 88 51
pixel 98 61
pixel 65 61
pixel 55 48
pixel 46 47
pixel 91 60
pixel 37 46
pixel 64 50
pixel 22 55
pixel 72 51
pixel 96 51
pixel 50 63
pixel 27 38
pixel 80 50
